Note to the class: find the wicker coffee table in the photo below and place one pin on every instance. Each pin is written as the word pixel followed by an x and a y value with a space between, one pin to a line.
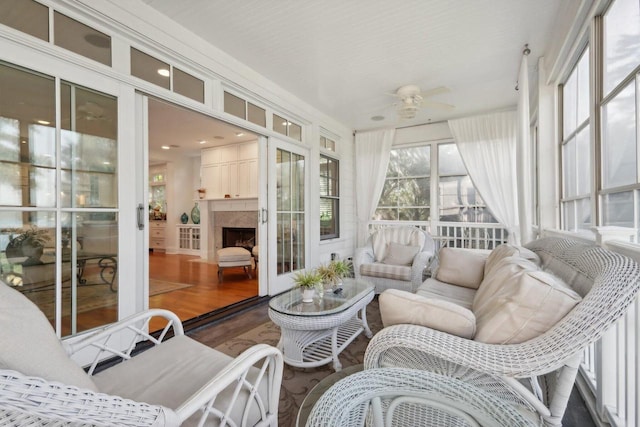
pixel 315 333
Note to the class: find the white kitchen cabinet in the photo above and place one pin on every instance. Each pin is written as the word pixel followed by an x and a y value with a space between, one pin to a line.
pixel 188 239
pixel 230 170
pixel 248 178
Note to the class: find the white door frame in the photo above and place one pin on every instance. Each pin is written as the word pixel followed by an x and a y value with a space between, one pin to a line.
pixel 280 283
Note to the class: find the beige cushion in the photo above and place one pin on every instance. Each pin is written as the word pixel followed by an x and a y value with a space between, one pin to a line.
pixel 432 288
pixel 399 307
pixel 233 254
pixel 506 250
pixel 167 375
pixel 29 344
pixel 527 305
pixel 398 254
pixel 387 271
pixel 461 267
pixel 498 276
pixel 404 235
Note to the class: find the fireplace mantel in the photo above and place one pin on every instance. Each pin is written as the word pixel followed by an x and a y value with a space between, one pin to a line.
pixel 234 204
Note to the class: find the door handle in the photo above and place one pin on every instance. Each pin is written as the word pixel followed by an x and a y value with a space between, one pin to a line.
pixel 264 215
pixel 140 216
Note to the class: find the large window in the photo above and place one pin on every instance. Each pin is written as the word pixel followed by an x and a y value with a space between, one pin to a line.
pixel 576 148
pixel 329 198
pixel 620 197
pixel 406 192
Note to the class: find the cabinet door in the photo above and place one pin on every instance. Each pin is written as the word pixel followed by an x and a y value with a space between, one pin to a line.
pixel 211 180
pixel 230 173
pixel 248 178
pixel 227 153
pixel 248 151
pixel 208 156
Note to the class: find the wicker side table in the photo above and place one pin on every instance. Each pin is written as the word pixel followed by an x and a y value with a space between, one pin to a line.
pixel 314 334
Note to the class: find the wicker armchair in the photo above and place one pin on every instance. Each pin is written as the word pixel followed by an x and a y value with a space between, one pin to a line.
pixel 406 398
pixel 177 381
pixel 376 262
pixel 541 370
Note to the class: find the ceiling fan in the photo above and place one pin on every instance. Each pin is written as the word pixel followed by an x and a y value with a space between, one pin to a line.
pixel 412 99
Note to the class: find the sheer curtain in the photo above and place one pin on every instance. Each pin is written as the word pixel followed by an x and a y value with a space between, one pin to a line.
pixel 523 152
pixel 487 145
pixel 372 159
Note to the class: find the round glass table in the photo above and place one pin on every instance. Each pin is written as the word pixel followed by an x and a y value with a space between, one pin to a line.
pixel 315 333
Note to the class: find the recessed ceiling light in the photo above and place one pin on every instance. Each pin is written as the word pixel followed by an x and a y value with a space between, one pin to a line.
pixel 202 142
pixel 164 72
pixel 377 118
pixel 165 147
pixel 43 122
pixel 218 137
pixel 23 141
pixel 239 133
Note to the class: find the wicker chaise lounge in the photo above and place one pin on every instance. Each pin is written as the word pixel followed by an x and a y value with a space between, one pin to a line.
pixel 540 371
pixel 176 382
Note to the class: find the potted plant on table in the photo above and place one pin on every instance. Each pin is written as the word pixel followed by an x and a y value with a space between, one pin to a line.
pixel 308 281
pixel 333 273
pixel 29 244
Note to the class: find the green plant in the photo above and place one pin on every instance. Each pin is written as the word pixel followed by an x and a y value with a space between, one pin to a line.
pixel 307 278
pixel 328 273
pixel 34 235
pixel 341 267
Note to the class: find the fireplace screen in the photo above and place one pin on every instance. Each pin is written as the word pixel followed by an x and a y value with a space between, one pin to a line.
pixel 240 237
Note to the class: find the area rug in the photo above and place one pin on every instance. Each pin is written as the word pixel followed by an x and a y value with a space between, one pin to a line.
pixel 298 382
pixel 90 296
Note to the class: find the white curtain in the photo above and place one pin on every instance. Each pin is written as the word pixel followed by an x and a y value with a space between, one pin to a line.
pixel 372 159
pixel 487 145
pixel 523 153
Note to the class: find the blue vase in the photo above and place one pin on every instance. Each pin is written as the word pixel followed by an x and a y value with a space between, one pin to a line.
pixel 184 218
pixel 195 214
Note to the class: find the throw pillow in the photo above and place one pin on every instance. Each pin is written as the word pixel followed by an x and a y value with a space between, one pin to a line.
pixel 527 306
pixel 398 254
pixel 401 307
pixel 461 267
pixel 30 345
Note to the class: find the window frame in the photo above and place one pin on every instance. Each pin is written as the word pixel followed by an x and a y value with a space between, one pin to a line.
pixel 335 199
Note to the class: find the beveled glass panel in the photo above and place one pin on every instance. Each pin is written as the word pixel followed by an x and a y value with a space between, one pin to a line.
pixel 280 124
pixel 81 39
pixel 283 178
pixel 328 217
pixel 235 106
pixel 618 209
pixel 256 115
pixel 284 243
pixel 187 85
pixel 291 216
pixel 27 16
pixel 583 88
pixel 621 41
pixel 297 182
pixel 295 131
pixel 619 139
pixel 569 104
pixel 147 68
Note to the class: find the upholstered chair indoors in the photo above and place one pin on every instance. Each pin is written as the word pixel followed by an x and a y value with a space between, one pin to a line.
pixel 394 258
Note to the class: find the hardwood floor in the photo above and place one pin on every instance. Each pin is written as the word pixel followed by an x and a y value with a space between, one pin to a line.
pixel 206 294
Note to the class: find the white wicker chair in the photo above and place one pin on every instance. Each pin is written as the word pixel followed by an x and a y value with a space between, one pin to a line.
pixel 177 381
pixel 367 261
pixel 543 369
pixel 406 398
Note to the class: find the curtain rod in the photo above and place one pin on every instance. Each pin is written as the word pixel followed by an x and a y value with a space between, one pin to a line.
pixel 525 52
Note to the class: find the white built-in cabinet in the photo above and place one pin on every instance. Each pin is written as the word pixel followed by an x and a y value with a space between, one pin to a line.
pixel 230 170
pixel 188 239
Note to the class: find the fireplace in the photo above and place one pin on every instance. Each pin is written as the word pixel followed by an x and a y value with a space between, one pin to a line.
pixel 241 237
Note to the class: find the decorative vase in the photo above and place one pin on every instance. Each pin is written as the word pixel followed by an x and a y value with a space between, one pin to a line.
pixel 195 214
pixel 308 294
pixel 184 218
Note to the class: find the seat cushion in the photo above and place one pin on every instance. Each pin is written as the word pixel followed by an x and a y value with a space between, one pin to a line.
pixel 527 305
pixel 400 307
pixel 399 254
pixel 170 373
pixel 387 271
pixel 233 254
pixel 462 267
pixel 433 288
pixel 30 345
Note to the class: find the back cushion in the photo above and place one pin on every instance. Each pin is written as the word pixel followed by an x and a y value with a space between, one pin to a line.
pixel 410 236
pixel 527 305
pixel 398 254
pixel 461 267
pixel 29 344
pixel 506 250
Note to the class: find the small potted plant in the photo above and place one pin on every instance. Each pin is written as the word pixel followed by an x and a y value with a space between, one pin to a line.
pixel 202 192
pixel 29 244
pixel 307 280
pixel 342 268
pixel 330 277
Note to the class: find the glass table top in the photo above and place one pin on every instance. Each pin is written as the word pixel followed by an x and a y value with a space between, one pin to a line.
pixel 290 302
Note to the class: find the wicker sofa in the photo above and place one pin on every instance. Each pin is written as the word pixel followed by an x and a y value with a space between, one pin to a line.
pixel 521 333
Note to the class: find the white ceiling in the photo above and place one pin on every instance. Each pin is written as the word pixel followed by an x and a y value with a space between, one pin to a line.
pixel 345 56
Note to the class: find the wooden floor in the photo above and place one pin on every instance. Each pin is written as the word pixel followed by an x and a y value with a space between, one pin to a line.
pixel 206 293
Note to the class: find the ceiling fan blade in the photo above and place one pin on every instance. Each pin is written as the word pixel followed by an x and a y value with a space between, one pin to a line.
pixel 435 91
pixel 439 105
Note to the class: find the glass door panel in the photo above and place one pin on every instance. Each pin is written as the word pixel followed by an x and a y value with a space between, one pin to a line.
pixel 58 199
